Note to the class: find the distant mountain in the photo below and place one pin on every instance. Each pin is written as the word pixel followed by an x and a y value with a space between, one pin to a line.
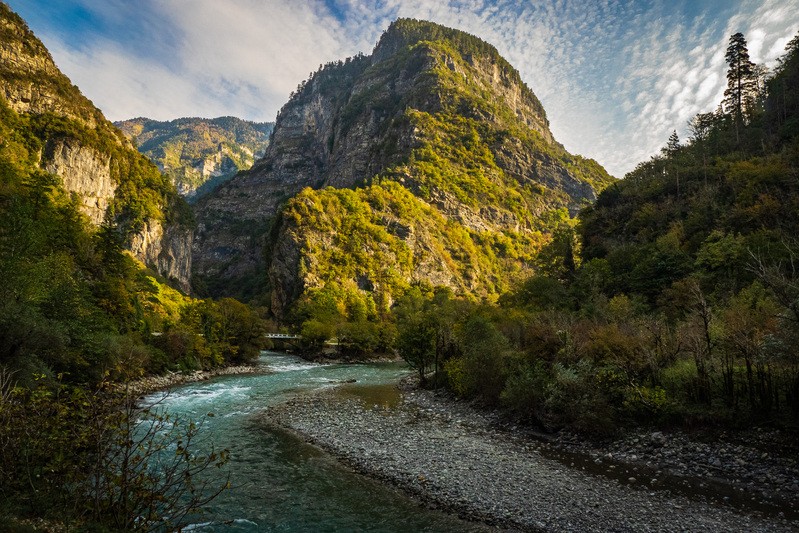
pixel 429 160
pixel 199 154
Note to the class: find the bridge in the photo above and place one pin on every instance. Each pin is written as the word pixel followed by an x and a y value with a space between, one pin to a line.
pixel 286 336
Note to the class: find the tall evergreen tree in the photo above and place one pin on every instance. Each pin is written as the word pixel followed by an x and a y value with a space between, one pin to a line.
pixel 741 91
pixel 672 146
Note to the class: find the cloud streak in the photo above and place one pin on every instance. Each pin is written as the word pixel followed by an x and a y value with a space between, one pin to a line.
pixel 616 76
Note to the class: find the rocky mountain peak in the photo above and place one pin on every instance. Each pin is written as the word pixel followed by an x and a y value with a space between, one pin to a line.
pixel 434 110
pixel 495 71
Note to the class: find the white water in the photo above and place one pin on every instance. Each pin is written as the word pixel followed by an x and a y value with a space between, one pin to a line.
pixel 279 482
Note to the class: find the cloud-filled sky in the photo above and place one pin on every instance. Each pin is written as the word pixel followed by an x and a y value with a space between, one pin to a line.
pixel 615 76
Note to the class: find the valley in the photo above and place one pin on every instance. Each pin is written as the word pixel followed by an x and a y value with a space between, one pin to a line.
pixel 480 329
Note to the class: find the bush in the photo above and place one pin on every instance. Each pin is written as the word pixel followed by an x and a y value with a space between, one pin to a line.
pixel 574 399
pixel 525 392
pixel 485 350
pixel 455 372
pixel 94 458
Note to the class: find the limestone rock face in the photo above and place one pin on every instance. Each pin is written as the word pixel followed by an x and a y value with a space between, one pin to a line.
pixel 91 156
pixel 84 171
pixel 167 249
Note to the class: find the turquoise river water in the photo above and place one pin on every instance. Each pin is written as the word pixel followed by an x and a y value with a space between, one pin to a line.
pixel 279 483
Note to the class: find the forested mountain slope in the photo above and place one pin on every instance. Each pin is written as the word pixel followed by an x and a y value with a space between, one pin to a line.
pixel 428 160
pixel 68 136
pixel 713 206
pixel 199 154
pixel 81 210
pixel 676 301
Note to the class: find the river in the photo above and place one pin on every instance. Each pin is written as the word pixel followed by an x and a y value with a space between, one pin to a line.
pixel 279 483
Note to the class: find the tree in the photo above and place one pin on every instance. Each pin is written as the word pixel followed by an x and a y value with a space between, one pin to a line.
pixel 739 97
pixel 425 328
pixel 99 459
pixel 670 152
pixel 416 336
pixel 701 127
pixel 560 256
pixel 672 146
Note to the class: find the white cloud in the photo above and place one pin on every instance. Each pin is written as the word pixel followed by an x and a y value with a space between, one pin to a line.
pixel 615 77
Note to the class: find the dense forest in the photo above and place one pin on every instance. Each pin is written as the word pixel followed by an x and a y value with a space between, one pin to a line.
pixel 673 300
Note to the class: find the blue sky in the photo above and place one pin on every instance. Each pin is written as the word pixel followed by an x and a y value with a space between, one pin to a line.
pixel 615 76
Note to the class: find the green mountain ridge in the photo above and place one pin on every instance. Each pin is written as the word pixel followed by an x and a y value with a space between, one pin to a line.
pixel 199 154
pixel 82 211
pixel 431 149
pixel 65 134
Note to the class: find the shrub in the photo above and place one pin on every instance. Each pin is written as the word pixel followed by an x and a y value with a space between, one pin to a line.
pixel 575 400
pixel 525 391
pixel 455 371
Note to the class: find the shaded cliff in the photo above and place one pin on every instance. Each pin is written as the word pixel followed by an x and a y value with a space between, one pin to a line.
pixel 199 154
pixel 450 161
pixel 71 139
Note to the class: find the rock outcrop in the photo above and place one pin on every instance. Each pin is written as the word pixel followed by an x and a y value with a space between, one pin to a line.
pixel 168 250
pixel 83 170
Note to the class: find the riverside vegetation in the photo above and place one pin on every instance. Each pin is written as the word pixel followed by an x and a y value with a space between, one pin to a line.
pixel 79 313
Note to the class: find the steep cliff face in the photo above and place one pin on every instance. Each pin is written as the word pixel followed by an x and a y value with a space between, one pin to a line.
pixel 199 154
pixel 434 111
pixel 93 158
pixel 85 171
pixel 167 249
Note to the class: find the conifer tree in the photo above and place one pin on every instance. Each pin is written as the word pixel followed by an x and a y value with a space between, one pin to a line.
pixel 672 145
pixel 670 151
pixel 741 89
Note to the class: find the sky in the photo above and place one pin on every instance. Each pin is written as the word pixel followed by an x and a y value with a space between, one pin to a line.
pixel 615 76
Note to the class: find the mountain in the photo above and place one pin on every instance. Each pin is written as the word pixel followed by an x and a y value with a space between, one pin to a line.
pixel 199 154
pixel 66 135
pixel 428 160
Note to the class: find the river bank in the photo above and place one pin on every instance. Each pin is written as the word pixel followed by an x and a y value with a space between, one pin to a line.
pixel 149 384
pixel 461 460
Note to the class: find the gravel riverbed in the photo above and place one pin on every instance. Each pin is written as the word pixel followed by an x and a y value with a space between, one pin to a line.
pixel 462 460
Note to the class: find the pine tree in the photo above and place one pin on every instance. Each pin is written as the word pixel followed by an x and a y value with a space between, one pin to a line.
pixel 740 95
pixel 670 152
pixel 672 145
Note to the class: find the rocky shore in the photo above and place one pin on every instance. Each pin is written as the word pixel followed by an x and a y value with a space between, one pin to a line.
pixel 150 384
pixel 462 460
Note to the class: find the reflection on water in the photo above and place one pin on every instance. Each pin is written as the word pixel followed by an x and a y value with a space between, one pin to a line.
pixel 385 396
pixel 281 484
